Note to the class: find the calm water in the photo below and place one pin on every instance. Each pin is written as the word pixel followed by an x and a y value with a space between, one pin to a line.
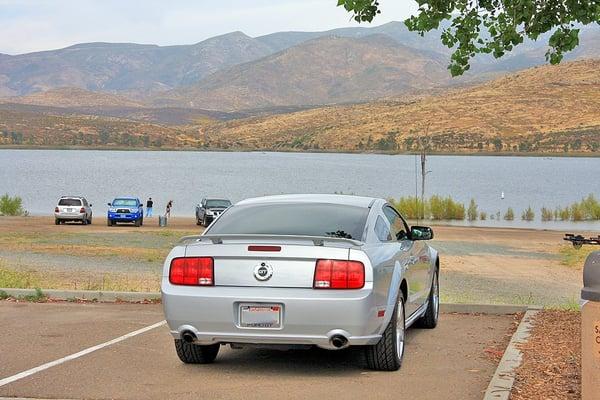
pixel 41 176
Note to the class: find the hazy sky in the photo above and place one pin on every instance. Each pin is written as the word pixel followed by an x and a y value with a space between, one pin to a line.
pixel 32 25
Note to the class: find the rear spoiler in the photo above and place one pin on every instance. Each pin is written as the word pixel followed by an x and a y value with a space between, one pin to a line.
pixel 218 239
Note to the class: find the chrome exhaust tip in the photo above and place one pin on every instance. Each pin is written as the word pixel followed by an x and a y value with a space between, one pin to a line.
pixel 339 341
pixel 188 337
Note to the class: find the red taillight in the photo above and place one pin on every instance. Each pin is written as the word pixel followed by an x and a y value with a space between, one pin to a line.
pixel 264 248
pixel 192 271
pixel 56 209
pixel 82 210
pixel 339 274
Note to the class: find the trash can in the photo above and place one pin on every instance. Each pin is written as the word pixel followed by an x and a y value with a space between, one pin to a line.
pixel 590 328
pixel 162 220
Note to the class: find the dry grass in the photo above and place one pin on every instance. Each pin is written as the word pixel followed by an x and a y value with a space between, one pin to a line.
pixel 574 258
pixel 530 106
pixel 31 279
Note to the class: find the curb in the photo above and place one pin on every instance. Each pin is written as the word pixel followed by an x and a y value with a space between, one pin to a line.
pixel 502 382
pixel 104 296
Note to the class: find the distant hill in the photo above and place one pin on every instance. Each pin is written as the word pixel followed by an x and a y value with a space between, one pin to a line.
pixel 320 71
pixel 73 97
pixel 142 71
pixel 543 109
pixel 135 68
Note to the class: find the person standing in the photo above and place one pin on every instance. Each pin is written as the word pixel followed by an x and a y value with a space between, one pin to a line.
pixel 169 206
pixel 149 205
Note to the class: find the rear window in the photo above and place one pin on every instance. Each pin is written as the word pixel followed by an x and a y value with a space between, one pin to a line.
pixel 293 219
pixel 69 202
pixel 124 202
pixel 218 203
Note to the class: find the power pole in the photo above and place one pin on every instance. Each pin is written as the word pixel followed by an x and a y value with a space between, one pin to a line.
pixel 423 142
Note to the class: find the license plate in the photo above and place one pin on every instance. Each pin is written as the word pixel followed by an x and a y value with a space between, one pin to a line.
pixel 69 210
pixel 260 316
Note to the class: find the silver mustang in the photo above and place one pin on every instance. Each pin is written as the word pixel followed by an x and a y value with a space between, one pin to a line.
pixel 302 270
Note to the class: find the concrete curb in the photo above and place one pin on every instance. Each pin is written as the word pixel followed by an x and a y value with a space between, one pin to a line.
pixel 103 296
pixel 502 382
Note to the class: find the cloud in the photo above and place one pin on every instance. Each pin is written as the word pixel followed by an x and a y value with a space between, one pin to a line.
pixel 33 25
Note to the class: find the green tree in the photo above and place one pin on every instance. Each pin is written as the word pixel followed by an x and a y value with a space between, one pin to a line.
pixel 510 214
pixel 493 26
pixel 472 211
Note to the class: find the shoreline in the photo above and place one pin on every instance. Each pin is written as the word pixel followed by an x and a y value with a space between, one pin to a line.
pixel 312 151
pixel 187 221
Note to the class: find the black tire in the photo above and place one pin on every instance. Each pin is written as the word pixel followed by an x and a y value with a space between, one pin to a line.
pixel 142 221
pixel 90 220
pixel 109 222
pixel 137 222
pixel 198 222
pixel 204 222
pixel 429 320
pixel 56 221
pixel 84 221
pixel 384 356
pixel 191 353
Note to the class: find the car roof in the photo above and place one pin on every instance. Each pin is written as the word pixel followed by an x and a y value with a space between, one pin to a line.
pixel 127 198
pixel 216 198
pixel 357 201
pixel 72 197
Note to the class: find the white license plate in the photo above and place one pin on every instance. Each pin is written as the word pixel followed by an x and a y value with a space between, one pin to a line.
pixel 69 210
pixel 260 316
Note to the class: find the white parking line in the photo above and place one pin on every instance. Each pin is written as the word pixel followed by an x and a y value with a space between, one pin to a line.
pixel 82 353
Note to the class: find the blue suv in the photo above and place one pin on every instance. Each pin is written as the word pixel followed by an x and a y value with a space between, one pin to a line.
pixel 125 209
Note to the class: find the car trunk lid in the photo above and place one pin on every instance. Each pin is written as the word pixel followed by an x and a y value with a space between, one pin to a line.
pixel 266 262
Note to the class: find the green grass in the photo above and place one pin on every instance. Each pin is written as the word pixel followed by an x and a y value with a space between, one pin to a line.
pixel 572 257
pixel 436 207
pixel 3 295
pixel 12 206
pixel 10 278
pixel 38 297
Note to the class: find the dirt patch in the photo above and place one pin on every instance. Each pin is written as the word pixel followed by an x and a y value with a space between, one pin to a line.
pixel 551 367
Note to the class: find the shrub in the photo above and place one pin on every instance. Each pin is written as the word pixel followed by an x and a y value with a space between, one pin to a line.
pixel 436 207
pixel 11 205
pixel 528 214
pixel 411 207
pixel 510 214
pixel 472 211
pixel 564 214
pixel 547 214
pixel 483 216
pixel 445 208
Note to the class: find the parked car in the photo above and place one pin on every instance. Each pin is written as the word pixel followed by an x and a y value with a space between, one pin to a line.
pixel 302 270
pixel 125 209
pixel 73 208
pixel 209 209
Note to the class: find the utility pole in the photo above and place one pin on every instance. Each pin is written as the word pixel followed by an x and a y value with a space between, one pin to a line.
pixel 424 172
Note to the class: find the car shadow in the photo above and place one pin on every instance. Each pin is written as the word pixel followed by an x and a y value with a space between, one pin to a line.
pixel 304 362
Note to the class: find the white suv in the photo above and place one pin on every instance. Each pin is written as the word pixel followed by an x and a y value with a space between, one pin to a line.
pixel 73 208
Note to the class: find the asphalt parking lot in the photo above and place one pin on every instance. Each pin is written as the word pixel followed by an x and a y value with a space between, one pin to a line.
pixel 449 362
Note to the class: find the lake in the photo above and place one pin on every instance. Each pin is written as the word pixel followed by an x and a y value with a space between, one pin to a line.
pixel 40 177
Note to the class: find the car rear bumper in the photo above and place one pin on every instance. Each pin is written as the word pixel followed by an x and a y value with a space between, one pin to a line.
pixel 70 216
pixel 309 317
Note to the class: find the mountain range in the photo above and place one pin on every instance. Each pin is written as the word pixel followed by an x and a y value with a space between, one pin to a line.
pixel 352 89
pixel 235 72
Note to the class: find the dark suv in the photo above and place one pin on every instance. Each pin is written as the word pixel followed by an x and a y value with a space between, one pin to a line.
pixel 210 209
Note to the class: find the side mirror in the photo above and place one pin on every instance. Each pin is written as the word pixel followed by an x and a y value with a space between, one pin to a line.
pixel 90 204
pixel 421 233
pixel 109 204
